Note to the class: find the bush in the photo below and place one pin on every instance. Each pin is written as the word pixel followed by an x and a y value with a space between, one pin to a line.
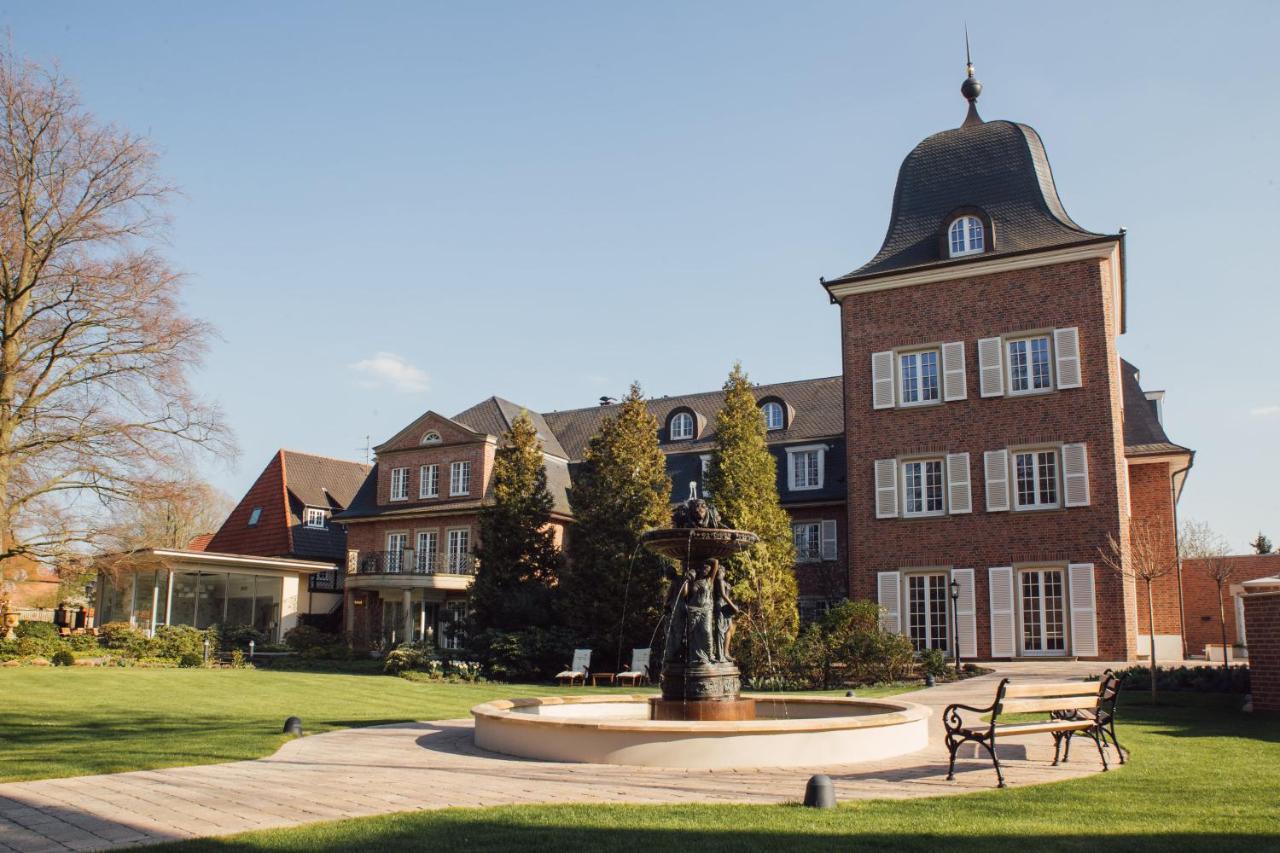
pixel 933 662
pixel 174 642
pixel 123 637
pixel 419 657
pixel 238 637
pixel 82 643
pixel 1188 679
pixel 62 657
pixel 530 655
pixel 846 646
pixel 37 630
pixel 305 637
pixel 191 660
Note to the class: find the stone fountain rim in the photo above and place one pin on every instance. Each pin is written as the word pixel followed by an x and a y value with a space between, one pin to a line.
pixel 894 713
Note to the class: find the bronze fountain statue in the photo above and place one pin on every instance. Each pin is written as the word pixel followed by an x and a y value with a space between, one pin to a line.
pixel 700 681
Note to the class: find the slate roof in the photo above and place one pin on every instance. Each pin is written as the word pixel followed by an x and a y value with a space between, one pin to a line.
pixel 1144 435
pixel 818 406
pixel 998 166
pixel 321 481
pixel 495 416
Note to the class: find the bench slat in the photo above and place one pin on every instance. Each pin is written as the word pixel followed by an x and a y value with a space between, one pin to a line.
pixel 1060 688
pixel 1034 728
pixel 1061 703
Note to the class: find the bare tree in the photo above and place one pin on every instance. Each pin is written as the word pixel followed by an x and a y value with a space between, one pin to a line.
pixel 1146 557
pixel 1198 541
pixel 169 517
pixel 95 405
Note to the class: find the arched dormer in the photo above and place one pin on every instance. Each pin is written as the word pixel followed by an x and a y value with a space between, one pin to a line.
pixel 777 414
pixel 684 424
pixel 966 231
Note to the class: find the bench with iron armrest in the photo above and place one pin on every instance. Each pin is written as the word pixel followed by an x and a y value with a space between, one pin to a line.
pixel 1075 707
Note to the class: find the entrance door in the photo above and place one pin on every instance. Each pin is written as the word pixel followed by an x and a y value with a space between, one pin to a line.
pixel 1043 616
pixel 927 611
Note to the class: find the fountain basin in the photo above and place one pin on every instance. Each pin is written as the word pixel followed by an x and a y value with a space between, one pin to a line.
pixel 789 731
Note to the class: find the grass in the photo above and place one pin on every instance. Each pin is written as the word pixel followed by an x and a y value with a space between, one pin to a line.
pixel 79 721
pixel 1203 777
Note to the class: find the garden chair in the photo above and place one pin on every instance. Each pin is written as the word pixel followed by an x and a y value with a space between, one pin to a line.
pixel 577 670
pixel 638 672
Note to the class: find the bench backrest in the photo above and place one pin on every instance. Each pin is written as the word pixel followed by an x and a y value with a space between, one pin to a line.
pixel 581 660
pixel 640 660
pixel 1059 696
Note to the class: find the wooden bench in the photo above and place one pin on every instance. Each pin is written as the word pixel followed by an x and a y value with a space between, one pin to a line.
pixel 1074 707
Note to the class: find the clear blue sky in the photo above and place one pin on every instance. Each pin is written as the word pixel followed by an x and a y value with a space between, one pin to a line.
pixel 391 207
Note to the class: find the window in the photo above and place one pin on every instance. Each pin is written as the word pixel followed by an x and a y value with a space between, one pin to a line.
pixel 432 437
pixel 399 484
pixel 704 481
pixel 807 537
pixel 429 481
pixel 1029 370
pixel 927 601
pixel 922 487
pixel 459 554
pixel 396 543
pixel 918 376
pixel 681 427
pixel 813 609
pixel 804 465
pixel 1043 617
pixel 460 478
pixel 774 417
pixel 1036 474
pixel 425 554
pixel 966 236
pixel 254 516
pixel 451 622
pixel 317 518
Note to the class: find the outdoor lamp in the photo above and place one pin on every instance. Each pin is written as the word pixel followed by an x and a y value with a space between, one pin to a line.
pixel 955 619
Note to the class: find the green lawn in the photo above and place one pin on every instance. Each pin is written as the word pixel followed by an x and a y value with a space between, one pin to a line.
pixel 78 721
pixel 1203 777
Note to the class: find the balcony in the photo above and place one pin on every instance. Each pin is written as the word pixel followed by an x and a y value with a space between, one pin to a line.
pixel 407 569
pixel 330 581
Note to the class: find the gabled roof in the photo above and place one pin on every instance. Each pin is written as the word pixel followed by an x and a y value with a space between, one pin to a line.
pixel 818 406
pixel 321 481
pixel 417 425
pixel 1144 435
pixel 495 415
pixel 999 167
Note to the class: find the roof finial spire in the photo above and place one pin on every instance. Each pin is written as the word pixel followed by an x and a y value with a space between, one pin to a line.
pixel 970 88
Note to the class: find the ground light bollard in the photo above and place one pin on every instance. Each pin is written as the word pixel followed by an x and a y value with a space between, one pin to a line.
pixel 293 726
pixel 251 648
pixel 819 793
pixel 206 653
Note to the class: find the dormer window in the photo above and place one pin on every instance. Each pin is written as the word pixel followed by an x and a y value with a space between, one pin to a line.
pixel 966 236
pixel 774 417
pixel 681 427
pixel 432 437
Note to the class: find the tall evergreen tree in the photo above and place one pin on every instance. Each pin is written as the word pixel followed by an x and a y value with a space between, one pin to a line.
pixel 1261 544
pixel 518 562
pixel 744 487
pixel 612 590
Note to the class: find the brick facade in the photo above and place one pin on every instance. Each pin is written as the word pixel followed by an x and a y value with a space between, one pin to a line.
pixel 1200 596
pixel 1262 619
pixel 1151 499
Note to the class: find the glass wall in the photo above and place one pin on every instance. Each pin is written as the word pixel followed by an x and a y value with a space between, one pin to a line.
pixel 200 599
pixel 266 604
pixel 211 599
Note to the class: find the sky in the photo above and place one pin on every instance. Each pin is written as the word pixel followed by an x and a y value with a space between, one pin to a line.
pixel 394 207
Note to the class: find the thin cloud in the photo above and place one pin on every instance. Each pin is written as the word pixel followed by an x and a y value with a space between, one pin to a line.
pixel 388 370
pixel 1265 411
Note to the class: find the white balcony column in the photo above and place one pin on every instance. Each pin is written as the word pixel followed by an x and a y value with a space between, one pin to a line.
pixel 408 615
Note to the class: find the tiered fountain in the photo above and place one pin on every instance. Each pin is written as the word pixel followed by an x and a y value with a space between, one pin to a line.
pixel 701 720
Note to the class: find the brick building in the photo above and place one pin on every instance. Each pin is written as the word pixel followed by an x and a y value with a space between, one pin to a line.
pixel 1200 597
pixel 995 438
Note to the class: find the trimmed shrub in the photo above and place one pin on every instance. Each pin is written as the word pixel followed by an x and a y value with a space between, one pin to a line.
pixel 191 660
pixel 238 637
pixel 530 655
pixel 62 657
pixel 177 641
pixel 933 662
pixel 1188 679
pixel 419 657
pixel 305 637
pixel 847 646
pixel 36 630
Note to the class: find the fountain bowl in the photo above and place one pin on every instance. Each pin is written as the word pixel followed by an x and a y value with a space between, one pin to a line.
pixel 698 543
pixel 789 731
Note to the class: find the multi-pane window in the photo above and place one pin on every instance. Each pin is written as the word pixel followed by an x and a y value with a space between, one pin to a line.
pixel 807 537
pixel 704 476
pixel 927 611
pixel 919 377
pixel 1043 616
pixel 806 469
pixel 460 478
pixel 773 415
pixel 396 543
pixel 1036 473
pixel 922 487
pixel 451 622
pixel 317 518
pixel 1029 369
pixel 429 481
pixel 399 484
pixel 681 426
pixel 425 553
pixel 966 236
pixel 459 553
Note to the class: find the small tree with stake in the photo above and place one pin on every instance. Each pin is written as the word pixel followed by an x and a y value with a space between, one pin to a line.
pixel 1147 559
pixel 1198 541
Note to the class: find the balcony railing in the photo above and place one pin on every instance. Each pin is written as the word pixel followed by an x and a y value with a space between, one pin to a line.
pixel 407 562
pixel 330 581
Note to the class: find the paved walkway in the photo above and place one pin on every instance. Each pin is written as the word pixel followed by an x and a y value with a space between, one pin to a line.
pixel 402 767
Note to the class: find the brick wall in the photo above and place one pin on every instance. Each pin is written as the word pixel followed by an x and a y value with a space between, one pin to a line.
pixel 1262 621
pixel 1200 596
pixel 1151 500
pixel 1075 294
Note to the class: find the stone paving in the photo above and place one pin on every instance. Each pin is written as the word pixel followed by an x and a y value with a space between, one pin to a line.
pixel 408 766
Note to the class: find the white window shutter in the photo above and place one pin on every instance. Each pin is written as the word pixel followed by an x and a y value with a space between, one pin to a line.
pixel 990 368
pixel 959 495
pixel 995 470
pixel 953 381
pixel 1066 344
pixel 888 591
pixel 882 380
pixel 966 620
pixel 886 488
pixel 1075 475
pixel 829 549
pixel 1084 614
pixel 1002 634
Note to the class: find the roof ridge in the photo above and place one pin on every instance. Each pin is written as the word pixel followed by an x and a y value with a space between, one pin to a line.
pixel 692 394
pixel 323 456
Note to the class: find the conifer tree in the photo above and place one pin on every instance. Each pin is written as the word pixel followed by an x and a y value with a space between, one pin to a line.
pixel 744 488
pixel 518 562
pixel 612 590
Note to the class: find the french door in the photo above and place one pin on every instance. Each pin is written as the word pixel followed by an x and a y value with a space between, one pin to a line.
pixel 927 611
pixel 1043 611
